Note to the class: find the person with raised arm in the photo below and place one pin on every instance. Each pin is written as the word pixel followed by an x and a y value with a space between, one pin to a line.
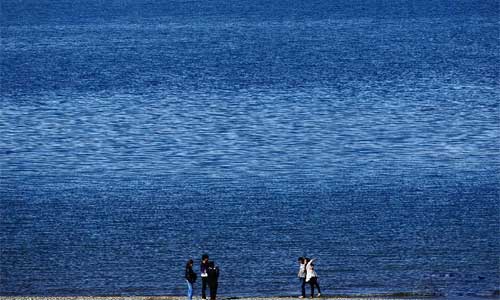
pixel 312 276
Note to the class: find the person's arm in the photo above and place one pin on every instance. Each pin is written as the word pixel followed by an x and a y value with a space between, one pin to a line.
pixel 192 276
pixel 310 262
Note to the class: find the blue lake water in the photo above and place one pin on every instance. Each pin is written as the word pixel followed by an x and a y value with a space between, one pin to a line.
pixel 135 135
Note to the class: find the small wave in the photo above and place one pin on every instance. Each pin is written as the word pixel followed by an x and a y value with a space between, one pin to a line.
pixel 494 294
pixel 390 295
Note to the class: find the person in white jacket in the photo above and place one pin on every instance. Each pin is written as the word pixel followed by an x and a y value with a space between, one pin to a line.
pixel 312 276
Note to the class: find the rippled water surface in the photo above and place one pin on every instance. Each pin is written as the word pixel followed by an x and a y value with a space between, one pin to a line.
pixel 135 135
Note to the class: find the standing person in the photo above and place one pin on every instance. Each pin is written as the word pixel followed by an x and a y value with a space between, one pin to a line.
pixel 312 277
pixel 204 276
pixel 213 279
pixel 190 276
pixel 302 276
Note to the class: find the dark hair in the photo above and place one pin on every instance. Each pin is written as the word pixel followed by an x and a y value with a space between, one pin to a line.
pixel 211 264
pixel 189 263
pixel 301 259
pixel 204 256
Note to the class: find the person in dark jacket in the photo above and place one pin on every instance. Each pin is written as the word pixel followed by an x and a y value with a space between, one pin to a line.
pixel 190 276
pixel 204 276
pixel 213 279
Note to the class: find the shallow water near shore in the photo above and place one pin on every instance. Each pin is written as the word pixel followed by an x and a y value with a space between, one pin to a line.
pixel 136 135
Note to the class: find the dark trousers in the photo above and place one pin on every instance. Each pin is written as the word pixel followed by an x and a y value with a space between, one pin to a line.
pixel 314 282
pixel 213 291
pixel 204 284
pixel 303 286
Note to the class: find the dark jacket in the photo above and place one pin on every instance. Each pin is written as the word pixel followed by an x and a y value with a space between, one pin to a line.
pixel 213 275
pixel 190 275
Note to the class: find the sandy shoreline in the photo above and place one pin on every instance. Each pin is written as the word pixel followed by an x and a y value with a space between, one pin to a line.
pixel 381 297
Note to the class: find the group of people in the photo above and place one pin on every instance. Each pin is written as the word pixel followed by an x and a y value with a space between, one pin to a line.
pixel 209 274
pixel 209 277
pixel 307 274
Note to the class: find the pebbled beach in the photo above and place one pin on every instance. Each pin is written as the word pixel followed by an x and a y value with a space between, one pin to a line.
pixel 340 297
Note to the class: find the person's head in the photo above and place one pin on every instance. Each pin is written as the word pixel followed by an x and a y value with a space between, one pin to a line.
pixel 211 264
pixel 300 260
pixel 204 257
pixel 189 263
pixel 306 260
